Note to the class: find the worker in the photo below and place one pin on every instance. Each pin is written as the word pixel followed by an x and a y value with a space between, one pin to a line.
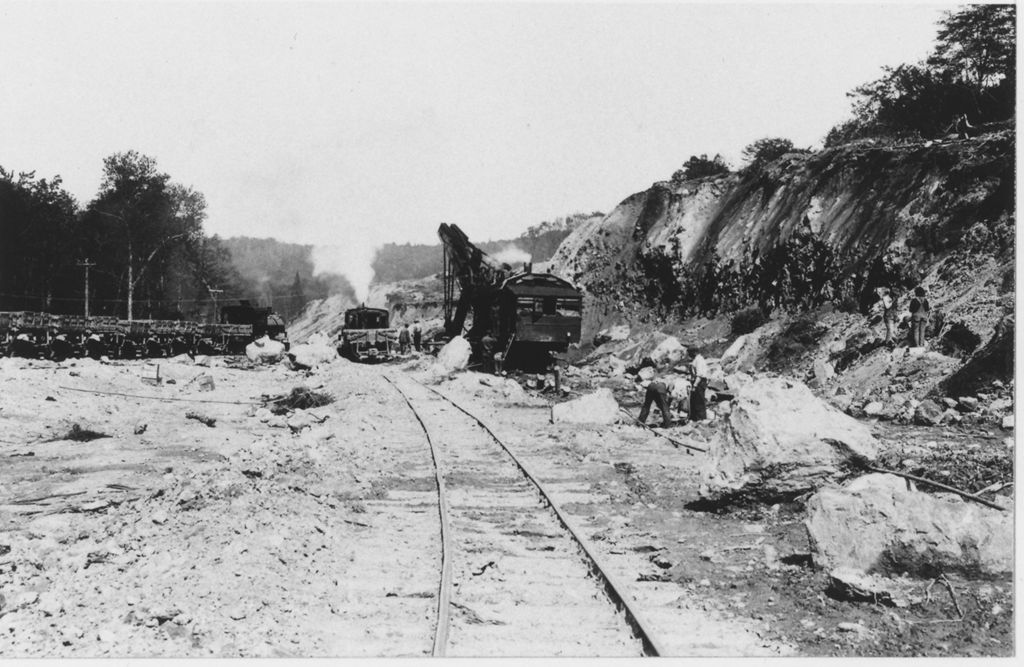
pixel 403 340
pixel 890 304
pixel 487 344
pixel 919 313
pixel 417 336
pixel 656 392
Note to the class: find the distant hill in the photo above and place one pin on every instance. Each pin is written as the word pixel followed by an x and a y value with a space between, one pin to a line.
pixel 395 262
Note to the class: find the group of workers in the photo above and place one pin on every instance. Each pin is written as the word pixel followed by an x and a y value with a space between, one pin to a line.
pixel 686 390
pixel 920 312
pixel 413 336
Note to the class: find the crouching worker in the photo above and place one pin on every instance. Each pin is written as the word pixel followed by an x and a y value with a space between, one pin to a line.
pixel 663 392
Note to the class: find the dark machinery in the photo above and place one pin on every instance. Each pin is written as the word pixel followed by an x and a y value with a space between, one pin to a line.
pixel 529 315
pixel 58 337
pixel 366 336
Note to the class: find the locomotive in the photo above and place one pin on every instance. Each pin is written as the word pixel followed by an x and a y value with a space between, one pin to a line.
pixel 59 337
pixel 366 336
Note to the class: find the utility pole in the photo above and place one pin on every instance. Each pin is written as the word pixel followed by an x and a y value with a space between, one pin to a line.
pixel 213 295
pixel 86 264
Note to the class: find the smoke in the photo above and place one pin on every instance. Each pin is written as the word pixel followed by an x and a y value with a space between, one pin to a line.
pixel 512 255
pixel 354 261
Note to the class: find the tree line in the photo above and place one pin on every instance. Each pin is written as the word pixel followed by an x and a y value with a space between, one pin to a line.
pixel 140 240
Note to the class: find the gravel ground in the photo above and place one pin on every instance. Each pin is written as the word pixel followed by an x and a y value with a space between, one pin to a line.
pixel 252 538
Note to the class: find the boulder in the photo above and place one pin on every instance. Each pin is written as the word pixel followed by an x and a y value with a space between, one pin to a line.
pixel 928 413
pixel 668 352
pixel 847 583
pixel 823 372
pixel 876 524
pixel 646 373
pixel 597 408
pixel 316 351
pixel 967 404
pixel 1007 423
pixel 265 351
pixel 874 408
pixel 735 349
pixel 780 441
pixel 454 356
pixel 616 333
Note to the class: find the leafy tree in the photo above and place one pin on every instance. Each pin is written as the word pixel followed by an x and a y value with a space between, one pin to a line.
pixel 137 215
pixel 769 149
pixel 699 166
pixel 972 71
pixel 37 217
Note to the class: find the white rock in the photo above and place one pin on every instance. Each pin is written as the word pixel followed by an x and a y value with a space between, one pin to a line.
pixel 454 356
pixel 264 350
pixel 874 408
pixel 876 524
pixel 669 351
pixel 316 351
pixel 781 441
pixel 597 408
pixel 735 349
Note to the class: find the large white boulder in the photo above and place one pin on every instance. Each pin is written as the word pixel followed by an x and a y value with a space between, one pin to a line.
pixel 454 356
pixel 876 524
pixel 597 408
pixel 780 441
pixel 668 352
pixel 316 351
pixel 264 350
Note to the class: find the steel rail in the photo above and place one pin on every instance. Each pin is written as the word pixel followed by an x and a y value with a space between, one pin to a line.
pixel 444 592
pixel 615 589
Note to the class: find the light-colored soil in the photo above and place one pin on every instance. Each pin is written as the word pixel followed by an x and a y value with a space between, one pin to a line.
pixel 249 539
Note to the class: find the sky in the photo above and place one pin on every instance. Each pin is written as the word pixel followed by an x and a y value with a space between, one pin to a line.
pixel 357 124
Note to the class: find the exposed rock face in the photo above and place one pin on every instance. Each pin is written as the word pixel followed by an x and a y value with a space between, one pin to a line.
pixel 780 441
pixel 597 408
pixel 876 524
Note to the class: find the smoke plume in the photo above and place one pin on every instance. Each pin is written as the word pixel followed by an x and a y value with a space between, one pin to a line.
pixel 512 255
pixel 354 261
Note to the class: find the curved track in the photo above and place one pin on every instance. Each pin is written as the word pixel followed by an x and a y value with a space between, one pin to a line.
pixel 516 579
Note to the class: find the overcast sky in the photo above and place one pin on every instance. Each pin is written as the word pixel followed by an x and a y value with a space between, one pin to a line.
pixel 366 123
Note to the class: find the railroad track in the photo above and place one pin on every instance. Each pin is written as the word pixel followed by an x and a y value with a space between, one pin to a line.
pixel 516 578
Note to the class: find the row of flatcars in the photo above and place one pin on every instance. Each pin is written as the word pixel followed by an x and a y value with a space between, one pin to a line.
pixel 59 337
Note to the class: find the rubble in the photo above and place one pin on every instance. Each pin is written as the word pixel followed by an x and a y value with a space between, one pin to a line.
pixel 876 524
pixel 781 441
pixel 599 407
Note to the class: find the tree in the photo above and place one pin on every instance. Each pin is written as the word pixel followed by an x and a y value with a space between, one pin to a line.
pixel 978 44
pixel 137 214
pixel 769 149
pixel 971 71
pixel 36 240
pixel 700 167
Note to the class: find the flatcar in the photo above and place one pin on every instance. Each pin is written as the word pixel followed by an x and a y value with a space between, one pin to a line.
pixel 367 336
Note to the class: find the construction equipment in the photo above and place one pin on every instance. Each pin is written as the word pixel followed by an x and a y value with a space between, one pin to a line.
pixel 530 315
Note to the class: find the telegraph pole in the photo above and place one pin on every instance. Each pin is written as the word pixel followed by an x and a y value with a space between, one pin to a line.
pixel 213 295
pixel 86 264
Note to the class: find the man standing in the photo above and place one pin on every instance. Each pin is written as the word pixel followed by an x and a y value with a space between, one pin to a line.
pixel 417 336
pixel 890 301
pixel 919 312
pixel 403 340
pixel 487 344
